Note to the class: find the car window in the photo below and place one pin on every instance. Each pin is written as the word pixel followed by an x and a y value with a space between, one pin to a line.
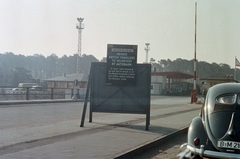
pixel 227 99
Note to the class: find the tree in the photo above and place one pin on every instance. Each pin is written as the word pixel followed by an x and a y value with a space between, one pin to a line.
pixel 41 67
pixel 51 62
pixel 20 75
pixel 104 59
pixel 163 64
pixel 86 61
pixel 152 60
pixel 71 64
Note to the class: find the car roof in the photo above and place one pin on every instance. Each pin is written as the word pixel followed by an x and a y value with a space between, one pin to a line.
pixel 224 88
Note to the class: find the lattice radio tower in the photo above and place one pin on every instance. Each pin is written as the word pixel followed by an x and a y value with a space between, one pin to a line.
pixel 79 27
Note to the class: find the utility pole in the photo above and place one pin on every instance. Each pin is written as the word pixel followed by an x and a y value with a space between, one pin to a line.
pixel 195 48
pixel 147 48
pixel 79 27
pixel 194 92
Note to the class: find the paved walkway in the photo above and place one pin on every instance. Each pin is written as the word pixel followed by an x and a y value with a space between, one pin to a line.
pixel 108 136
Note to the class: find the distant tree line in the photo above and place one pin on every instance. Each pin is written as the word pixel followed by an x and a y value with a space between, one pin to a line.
pixel 16 69
pixel 203 68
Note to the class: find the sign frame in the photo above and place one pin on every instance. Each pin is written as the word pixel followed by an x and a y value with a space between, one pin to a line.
pixel 118 99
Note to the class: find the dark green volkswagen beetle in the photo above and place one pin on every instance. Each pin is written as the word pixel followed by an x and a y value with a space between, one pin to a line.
pixel 215 133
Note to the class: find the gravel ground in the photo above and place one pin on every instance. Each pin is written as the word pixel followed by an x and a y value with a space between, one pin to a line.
pixel 166 151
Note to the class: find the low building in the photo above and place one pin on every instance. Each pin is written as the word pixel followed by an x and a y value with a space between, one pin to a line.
pixel 161 81
pixel 68 83
pixel 212 80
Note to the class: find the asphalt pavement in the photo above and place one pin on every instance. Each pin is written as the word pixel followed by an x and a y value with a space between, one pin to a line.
pixel 108 136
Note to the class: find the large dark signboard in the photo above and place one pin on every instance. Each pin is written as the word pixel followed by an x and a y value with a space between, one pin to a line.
pixel 121 64
pixel 117 98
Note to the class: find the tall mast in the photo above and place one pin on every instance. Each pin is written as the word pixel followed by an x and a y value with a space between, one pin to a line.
pixel 147 48
pixel 79 27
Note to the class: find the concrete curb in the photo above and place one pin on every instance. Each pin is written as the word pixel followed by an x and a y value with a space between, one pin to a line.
pixel 149 145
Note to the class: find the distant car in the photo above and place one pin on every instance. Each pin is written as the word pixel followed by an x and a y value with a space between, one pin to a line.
pixel 36 89
pixel 215 133
pixel 18 90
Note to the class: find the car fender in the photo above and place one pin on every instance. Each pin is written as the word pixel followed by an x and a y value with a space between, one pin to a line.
pixel 196 130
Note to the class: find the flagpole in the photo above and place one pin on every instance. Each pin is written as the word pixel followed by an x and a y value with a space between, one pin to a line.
pixel 235 74
pixel 236 63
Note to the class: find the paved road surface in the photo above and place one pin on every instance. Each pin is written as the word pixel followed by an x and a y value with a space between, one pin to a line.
pixel 51 130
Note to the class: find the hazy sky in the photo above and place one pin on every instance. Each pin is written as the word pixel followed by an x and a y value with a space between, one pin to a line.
pixel 44 27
